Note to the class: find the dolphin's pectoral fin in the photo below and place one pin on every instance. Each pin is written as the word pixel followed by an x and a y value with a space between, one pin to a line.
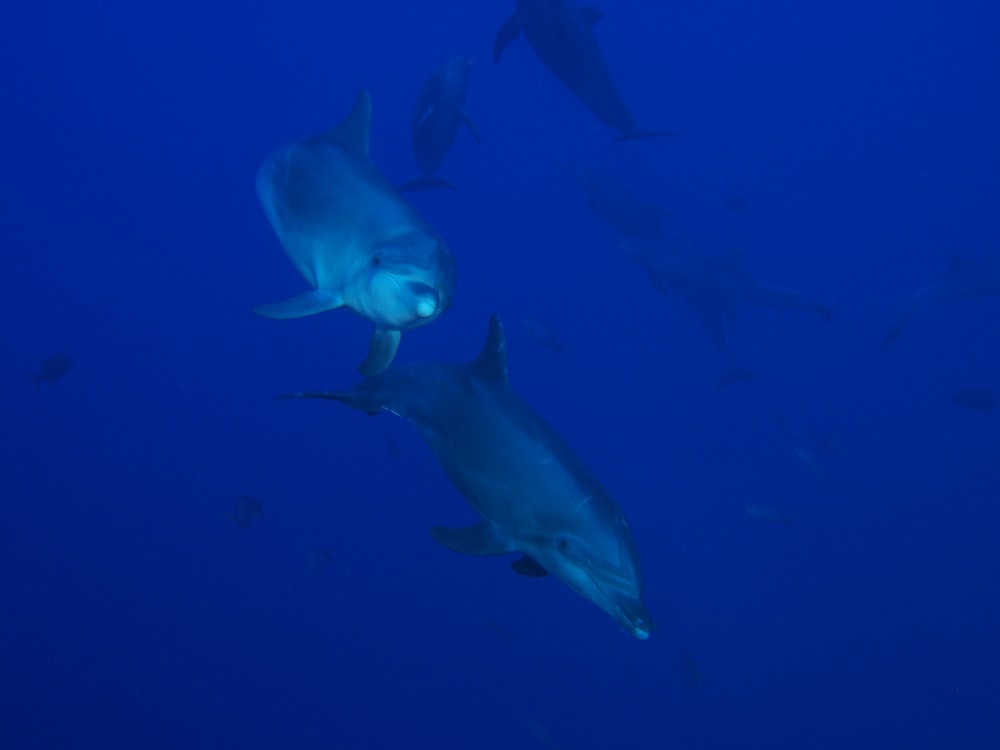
pixel 478 539
pixel 381 350
pixel 307 303
pixel 353 132
pixel 591 14
pixel 528 566
pixel 510 30
pixel 469 124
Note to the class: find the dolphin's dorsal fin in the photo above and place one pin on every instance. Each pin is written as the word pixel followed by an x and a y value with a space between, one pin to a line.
pixel 355 129
pixel 591 14
pixel 491 364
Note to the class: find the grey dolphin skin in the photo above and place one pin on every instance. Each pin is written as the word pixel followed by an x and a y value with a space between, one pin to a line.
pixel 535 497
pixel 353 237
pixel 713 286
pixel 561 34
pixel 965 278
pixel 616 203
pixel 437 114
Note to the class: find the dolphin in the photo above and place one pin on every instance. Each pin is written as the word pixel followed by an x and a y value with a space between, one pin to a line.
pixel 965 278
pixel 352 237
pixel 615 202
pixel 439 110
pixel 714 286
pixel 561 34
pixel 534 496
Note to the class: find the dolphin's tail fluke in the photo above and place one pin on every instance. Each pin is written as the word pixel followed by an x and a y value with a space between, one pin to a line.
pixel 427 183
pixel 736 375
pixel 637 135
pixel 895 334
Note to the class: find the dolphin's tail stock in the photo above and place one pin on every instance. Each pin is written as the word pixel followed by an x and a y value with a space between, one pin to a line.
pixel 427 183
pixel 736 375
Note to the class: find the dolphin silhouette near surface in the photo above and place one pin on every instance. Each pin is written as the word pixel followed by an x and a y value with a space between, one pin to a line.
pixel 965 278
pixel 561 35
pixel 352 237
pixel 437 115
pixel 533 495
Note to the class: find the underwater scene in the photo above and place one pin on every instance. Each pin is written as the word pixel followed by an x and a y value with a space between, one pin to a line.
pixel 516 374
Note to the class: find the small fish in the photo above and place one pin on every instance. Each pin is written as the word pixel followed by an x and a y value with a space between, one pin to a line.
pixel 542 334
pixel 52 369
pixel 763 513
pixel 245 510
pixel 689 670
pixel 978 399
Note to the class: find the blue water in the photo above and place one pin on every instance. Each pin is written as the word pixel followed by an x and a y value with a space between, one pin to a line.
pixel 133 614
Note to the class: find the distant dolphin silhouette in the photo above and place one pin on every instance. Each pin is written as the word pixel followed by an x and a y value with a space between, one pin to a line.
pixel 618 204
pixel 713 286
pixel 534 495
pixel 965 278
pixel 353 237
pixel 561 34
pixel 437 114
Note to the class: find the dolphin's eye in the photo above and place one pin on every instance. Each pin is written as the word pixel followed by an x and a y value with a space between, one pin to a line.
pixel 376 261
pixel 562 544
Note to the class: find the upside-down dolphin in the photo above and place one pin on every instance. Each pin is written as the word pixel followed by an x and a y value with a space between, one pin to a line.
pixel 965 278
pixel 713 286
pixel 619 205
pixel 534 496
pixel 561 34
pixel 353 237
pixel 437 114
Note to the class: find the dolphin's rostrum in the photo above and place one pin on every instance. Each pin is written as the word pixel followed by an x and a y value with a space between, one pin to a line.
pixel 353 237
pixel 535 497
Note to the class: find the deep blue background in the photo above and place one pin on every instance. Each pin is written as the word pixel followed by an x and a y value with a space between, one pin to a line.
pixel 133 614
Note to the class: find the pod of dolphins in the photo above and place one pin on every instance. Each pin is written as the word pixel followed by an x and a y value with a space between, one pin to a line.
pixel 358 244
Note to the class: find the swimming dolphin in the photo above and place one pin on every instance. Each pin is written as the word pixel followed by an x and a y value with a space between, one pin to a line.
pixel 713 286
pixel 965 278
pixel 561 34
pixel 616 202
pixel 352 237
pixel 534 495
pixel 439 110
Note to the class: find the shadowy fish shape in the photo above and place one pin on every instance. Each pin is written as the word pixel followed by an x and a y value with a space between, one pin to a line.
pixel 534 496
pixel 977 399
pixel 353 237
pixel 52 369
pixel 437 114
pixel 714 286
pixel 245 510
pixel 965 278
pixel 542 334
pixel 561 35
pixel 616 203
